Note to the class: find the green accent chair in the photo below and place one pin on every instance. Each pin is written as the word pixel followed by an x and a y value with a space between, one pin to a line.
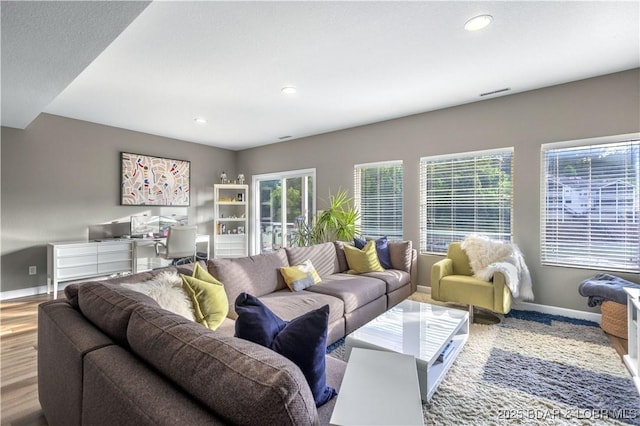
pixel 452 281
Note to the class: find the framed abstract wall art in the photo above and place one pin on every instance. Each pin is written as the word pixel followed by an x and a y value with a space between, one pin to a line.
pixel 154 181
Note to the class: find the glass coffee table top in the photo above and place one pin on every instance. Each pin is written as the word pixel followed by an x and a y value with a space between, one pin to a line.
pixel 412 328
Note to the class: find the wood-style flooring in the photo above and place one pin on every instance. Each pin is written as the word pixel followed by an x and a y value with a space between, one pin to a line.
pixel 18 369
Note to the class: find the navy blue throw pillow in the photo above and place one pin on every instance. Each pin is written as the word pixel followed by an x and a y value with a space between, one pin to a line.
pixel 256 322
pixel 382 249
pixel 302 340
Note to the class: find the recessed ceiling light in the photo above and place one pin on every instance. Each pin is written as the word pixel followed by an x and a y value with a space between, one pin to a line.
pixel 200 120
pixel 478 22
pixel 289 90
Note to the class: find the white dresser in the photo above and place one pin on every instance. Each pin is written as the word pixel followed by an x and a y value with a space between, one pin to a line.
pixel 71 261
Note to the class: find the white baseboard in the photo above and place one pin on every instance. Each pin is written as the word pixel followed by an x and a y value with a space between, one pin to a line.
pixel 23 292
pixel 31 291
pixel 554 310
pixel 545 309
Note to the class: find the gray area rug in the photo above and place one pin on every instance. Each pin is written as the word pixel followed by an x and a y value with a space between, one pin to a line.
pixel 534 369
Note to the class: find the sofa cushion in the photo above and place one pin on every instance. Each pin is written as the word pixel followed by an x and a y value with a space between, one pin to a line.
pixel 363 260
pixel 323 256
pixel 392 277
pixel 300 276
pixel 288 305
pixel 335 373
pixel 354 290
pixel 382 248
pixel 303 340
pixel 257 275
pixel 109 307
pixel 121 389
pixel 240 381
pixel 400 253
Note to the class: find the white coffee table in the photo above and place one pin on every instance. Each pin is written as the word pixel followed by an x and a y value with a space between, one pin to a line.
pixel 419 329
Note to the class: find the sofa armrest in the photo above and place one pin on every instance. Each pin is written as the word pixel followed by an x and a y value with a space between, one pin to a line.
pixel 413 273
pixel 439 270
pixel 401 255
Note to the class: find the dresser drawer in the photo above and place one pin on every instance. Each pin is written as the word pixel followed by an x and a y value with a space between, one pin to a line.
pixel 109 267
pixel 76 250
pixel 75 261
pixel 114 256
pixel 77 272
pixel 111 247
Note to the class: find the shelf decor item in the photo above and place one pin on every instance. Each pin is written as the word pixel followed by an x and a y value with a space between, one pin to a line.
pixel 154 181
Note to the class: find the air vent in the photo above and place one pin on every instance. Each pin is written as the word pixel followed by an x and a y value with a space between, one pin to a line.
pixel 506 89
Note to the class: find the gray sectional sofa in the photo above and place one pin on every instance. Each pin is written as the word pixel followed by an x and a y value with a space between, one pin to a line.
pixel 110 355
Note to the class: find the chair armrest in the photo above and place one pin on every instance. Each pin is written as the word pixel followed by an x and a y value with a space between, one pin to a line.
pixel 157 245
pixel 439 270
pixel 502 295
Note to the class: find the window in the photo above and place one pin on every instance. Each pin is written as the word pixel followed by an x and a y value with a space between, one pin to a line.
pixel 467 193
pixel 276 216
pixel 378 195
pixel 590 204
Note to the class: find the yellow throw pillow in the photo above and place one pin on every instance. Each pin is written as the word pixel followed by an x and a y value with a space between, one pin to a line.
pixel 209 299
pixel 202 274
pixel 300 276
pixel 362 261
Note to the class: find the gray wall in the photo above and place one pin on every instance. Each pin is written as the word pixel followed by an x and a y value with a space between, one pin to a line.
pixel 59 176
pixel 601 106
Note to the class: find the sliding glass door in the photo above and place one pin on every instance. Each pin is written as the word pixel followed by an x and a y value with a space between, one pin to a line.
pixel 283 201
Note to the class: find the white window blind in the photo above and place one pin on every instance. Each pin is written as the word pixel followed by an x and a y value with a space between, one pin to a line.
pixel 591 203
pixel 378 195
pixel 463 194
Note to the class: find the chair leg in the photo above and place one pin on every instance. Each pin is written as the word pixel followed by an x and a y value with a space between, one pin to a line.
pixel 470 314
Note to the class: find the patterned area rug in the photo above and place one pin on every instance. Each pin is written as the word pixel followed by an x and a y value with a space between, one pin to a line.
pixel 533 369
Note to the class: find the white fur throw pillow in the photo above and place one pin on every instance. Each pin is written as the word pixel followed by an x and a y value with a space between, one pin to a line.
pixel 166 289
pixel 483 251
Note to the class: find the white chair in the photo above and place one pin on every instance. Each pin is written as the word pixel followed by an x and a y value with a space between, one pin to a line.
pixel 180 244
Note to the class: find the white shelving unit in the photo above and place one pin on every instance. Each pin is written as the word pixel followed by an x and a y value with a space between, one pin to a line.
pixel 230 234
pixel 632 359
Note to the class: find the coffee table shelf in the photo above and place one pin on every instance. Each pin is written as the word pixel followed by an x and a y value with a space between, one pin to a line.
pixel 378 388
pixel 419 329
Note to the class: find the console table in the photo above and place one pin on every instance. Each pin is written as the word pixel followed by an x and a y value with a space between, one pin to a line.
pixel 378 388
pixel 632 359
pixel 69 261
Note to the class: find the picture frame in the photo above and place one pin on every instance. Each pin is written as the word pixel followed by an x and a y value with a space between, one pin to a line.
pixel 240 229
pixel 240 197
pixel 147 180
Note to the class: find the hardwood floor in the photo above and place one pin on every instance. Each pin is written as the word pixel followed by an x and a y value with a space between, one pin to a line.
pixel 18 371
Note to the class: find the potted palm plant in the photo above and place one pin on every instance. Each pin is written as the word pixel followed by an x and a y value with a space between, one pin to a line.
pixel 338 222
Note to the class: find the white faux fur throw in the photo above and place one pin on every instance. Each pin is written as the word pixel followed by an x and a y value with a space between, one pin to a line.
pixel 166 289
pixel 487 256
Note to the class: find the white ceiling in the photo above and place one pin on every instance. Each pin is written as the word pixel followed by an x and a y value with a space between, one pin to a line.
pixel 353 63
